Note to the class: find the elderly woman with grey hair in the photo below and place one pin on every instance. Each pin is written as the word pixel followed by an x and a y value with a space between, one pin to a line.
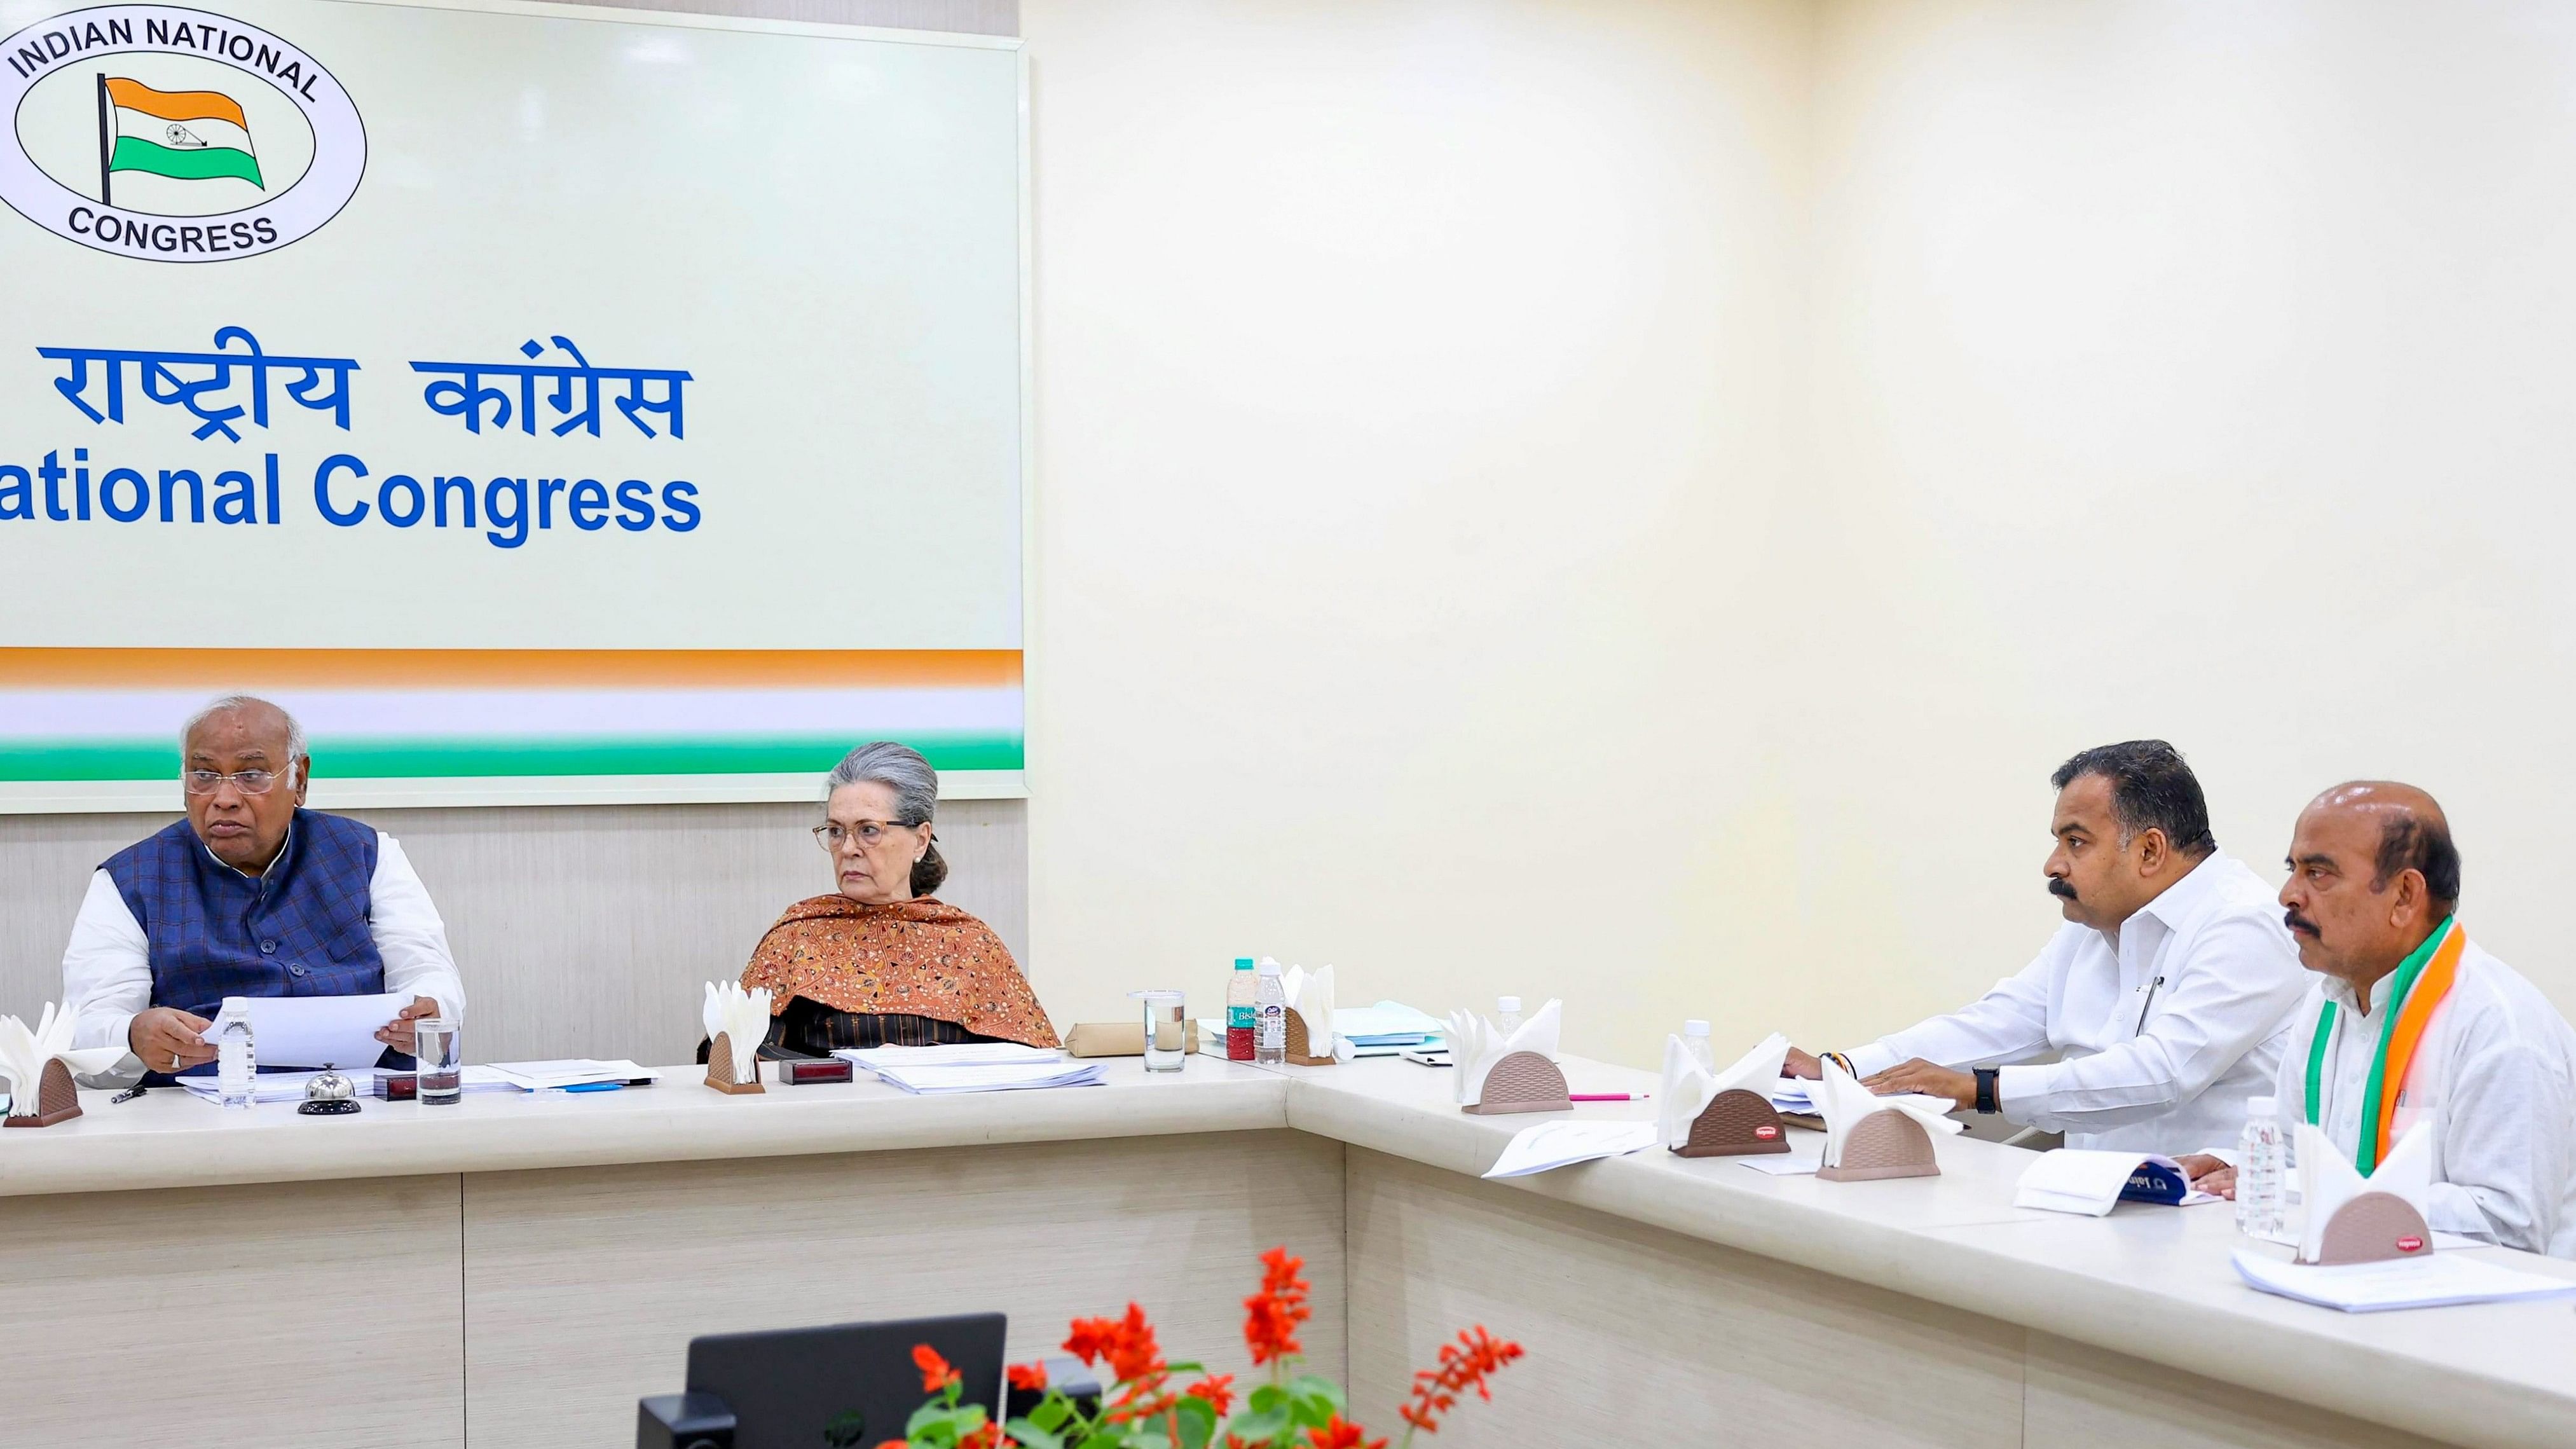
pixel 882 963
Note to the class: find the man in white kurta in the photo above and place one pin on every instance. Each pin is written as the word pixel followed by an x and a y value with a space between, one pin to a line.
pixel 2162 1000
pixel 2373 889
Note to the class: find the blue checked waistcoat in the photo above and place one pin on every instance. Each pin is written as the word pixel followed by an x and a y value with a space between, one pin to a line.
pixel 302 929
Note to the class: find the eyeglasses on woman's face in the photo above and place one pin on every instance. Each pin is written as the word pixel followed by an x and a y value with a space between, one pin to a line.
pixel 833 834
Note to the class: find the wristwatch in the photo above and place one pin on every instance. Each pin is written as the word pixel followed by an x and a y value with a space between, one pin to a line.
pixel 1986 1102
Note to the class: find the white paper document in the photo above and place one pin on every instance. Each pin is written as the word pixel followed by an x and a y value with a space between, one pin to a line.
pixel 956 1054
pixel 1550 1145
pixel 318 1031
pixel 574 1072
pixel 2437 1281
pixel 2092 1182
pixel 934 1081
pixel 1794 1094
pixel 1796 1162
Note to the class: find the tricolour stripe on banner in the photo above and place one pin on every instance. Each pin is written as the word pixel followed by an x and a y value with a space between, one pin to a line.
pixel 392 758
pixel 254 669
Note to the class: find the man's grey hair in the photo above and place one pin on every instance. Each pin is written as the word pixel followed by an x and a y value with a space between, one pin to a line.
pixel 231 702
pixel 897 767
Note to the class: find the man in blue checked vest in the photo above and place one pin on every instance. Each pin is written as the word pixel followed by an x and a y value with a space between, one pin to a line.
pixel 250 895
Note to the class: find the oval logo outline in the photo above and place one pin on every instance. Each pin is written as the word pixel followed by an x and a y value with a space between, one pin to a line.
pixel 324 188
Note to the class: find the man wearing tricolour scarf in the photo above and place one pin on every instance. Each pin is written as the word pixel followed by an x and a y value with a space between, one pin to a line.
pixel 2408 1021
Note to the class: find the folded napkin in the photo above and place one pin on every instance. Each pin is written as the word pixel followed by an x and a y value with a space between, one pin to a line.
pixel 1474 1044
pixel 2328 1180
pixel 24 1053
pixel 742 1018
pixel 1688 1088
pixel 1843 1102
pixel 1310 995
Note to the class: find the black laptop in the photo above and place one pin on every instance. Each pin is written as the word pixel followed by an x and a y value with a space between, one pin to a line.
pixel 848 1386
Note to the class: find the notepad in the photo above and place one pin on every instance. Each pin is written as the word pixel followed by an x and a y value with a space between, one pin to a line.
pixel 1551 1145
pixel 941 1081
pixel 2440 1280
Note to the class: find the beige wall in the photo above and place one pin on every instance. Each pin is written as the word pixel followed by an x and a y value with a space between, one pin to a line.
pixel 2182 369
pixel 1413 390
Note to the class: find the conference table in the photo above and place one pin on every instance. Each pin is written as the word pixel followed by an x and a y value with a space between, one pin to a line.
pixel 517 1270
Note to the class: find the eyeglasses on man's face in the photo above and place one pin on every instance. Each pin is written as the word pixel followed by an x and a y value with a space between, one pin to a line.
pixel 832 835
pixel 207 782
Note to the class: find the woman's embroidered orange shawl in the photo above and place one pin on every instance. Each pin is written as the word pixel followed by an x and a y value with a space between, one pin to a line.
pixel 917 957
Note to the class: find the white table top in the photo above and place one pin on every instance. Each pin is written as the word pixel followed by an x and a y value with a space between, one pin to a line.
pixel 2149 1282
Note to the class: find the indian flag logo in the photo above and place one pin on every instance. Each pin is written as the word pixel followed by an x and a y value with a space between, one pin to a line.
pixel 185 135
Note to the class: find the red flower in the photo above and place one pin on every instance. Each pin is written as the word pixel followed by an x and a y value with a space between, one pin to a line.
pixel 1337 1434
pixel 1463 1365
pixel 896 1444
pixel 1272 1315
pixel 988 1437
pixel 1217 1389
pixel 1029 1376
pixel 1126 1343
pixel 935 1372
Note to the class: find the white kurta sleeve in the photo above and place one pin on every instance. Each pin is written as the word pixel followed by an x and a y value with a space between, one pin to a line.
pixel 2006 1024
pixel 2230 995
pixel 409 934
pixel 107 966
pixel 2505 1171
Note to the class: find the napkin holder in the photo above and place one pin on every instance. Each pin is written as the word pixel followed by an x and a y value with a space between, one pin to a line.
pixel 720 1068
pixel 1522 1082
pixel 1735 1123
pixel 1886 1143
pixel 57 1099
pixel 1301 1043
pixel 2374 1227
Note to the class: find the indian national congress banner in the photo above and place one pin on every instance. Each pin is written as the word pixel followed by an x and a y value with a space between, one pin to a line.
pixel 519 393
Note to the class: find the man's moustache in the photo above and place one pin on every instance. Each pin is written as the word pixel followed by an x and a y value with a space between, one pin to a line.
pixel 2059 888
pixel 2297 922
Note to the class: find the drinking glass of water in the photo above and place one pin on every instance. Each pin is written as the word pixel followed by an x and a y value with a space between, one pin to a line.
pixel 441 1059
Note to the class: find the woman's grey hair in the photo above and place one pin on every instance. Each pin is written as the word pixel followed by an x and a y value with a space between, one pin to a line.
pixel 899 768
pixel 230 702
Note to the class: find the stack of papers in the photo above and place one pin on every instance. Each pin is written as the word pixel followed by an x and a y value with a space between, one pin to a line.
pixel 1794 1094
pixel 274 1086
pixel 1552 1145
pixel 2436 1281
pixel 555 1076
pixel 2088 1181
pixel 1389 1024
pixel 941 1081
pixel 962 1054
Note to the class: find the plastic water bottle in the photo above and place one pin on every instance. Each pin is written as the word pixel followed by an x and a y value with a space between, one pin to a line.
pixel 1507 1015
pixel 1270 1016
pixel 236 1056
pixel 1240 989
pixel 2258 1168
pixel 1695 1041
